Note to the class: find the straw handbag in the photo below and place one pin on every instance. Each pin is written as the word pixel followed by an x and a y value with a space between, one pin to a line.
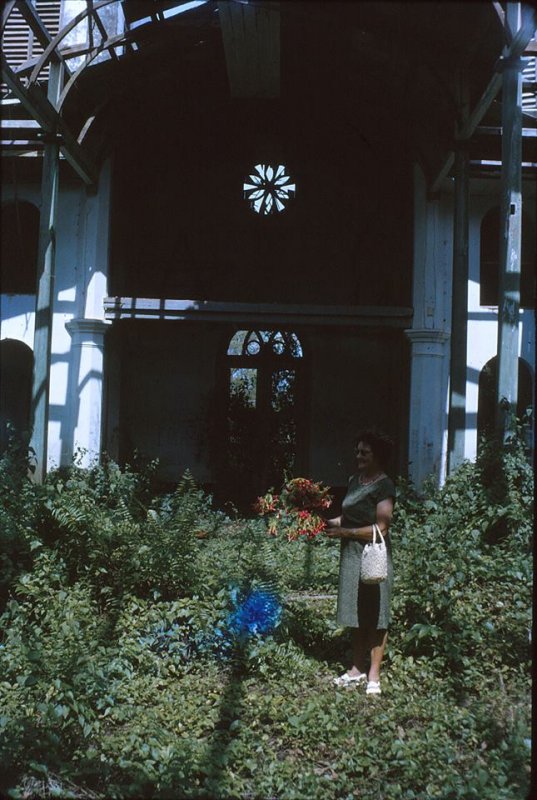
pixel 374 567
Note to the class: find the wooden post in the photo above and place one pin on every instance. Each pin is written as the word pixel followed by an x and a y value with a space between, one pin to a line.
pixel 459 301
pixel 510 238
pixel 45 288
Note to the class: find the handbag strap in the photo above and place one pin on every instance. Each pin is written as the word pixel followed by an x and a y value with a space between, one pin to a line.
pixel 376 530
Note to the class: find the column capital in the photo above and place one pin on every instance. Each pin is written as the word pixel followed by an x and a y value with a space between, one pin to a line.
pixel 85 329
pixel 427 335
pixel 427 341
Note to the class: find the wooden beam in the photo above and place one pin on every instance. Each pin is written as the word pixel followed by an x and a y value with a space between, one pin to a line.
pixel 19 129
pixel 55 42
pixel 6 11
pixel 518 45
pixel 29 13
pixel 109 44
pixel 117 308
pixel 510 244
pixel 501 16
pixel 40 108
pixel 104 33
pixel 459 299
pixel 495 130
pixel 251 36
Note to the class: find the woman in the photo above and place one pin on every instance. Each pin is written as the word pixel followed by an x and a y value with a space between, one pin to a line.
pixel 365 607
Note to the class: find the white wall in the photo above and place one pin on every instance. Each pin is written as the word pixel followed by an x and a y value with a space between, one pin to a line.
pixel 483 320
pixel 79 286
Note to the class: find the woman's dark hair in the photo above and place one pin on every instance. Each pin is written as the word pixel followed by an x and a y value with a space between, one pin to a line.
pixel 379 442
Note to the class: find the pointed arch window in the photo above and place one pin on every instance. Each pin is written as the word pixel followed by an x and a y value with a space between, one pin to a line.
pixel 263 343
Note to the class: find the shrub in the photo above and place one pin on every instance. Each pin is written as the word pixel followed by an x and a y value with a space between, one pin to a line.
pixel 134 662
pixel 20 511
pixel 456 592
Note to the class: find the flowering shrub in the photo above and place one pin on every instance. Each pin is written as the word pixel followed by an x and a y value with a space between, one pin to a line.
pixel 294 512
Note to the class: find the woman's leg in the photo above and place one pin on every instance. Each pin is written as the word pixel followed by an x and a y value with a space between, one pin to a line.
pixel 377 643
pixel 359 646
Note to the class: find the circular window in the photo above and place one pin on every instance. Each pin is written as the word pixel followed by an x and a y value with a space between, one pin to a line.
pixel 268 189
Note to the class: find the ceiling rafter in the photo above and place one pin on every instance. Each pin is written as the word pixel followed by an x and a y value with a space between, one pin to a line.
pixel 102 31
pixel 41 109
pixel 114 41
pixel 36 24
pixel 517 47
pixel 53 44
pixel 6 11
pixel 500 13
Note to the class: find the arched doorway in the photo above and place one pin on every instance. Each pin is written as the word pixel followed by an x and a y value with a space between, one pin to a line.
pixel 19 244
pixel 16 365
pixel 486 408
pixel 262 427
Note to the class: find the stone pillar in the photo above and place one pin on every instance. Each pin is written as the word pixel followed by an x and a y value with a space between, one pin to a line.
pixel 429 334
pixel 86 408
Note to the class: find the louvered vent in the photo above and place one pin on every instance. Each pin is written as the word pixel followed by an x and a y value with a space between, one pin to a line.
pixel 19 43
pixel 529 92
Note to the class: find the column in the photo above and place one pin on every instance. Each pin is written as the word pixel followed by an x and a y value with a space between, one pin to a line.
pixel 427 440
pixel 459 296
pixel 86 408
pixel 82 432
pixel 510 238
pixel 429 335
pixel 45 287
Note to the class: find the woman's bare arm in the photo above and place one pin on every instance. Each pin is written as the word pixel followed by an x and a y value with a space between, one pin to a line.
pixel 365 534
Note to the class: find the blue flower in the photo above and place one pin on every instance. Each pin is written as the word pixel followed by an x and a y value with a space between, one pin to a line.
pixel 258 613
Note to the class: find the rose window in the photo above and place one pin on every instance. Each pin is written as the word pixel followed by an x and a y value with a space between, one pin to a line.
pixel 268 188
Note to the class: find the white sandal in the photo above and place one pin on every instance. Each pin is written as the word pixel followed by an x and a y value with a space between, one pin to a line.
pixel 349 680
pixel 373 687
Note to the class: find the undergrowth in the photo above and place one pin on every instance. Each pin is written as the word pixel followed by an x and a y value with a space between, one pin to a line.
pixel 153 647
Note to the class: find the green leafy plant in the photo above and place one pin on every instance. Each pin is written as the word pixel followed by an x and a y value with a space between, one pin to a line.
pixel 119 677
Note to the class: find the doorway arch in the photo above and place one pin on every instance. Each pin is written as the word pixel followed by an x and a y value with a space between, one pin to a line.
pixel 486 407
pixel 262 388
pixel 20 241
pixel 16 365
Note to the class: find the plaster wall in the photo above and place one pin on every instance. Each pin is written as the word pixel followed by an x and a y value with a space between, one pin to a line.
pixel 168 375
pixel 359 380
pixel 79 288
pixel 483 320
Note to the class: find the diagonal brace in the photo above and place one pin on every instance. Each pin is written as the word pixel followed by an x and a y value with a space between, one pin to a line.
pixel 39 29
pixel 41 109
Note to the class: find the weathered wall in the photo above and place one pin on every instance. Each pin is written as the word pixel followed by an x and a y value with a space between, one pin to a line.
pixel 183 229
pixel 354 378
pixel 483 320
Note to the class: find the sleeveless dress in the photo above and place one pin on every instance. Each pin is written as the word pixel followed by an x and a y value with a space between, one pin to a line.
pixel 362 605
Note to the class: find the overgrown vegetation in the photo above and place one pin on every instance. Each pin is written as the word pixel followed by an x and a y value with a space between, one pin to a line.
pixel 133 663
